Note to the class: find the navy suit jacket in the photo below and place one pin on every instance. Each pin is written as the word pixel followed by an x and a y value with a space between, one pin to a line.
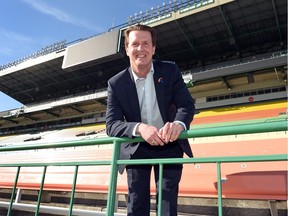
pixel 123 110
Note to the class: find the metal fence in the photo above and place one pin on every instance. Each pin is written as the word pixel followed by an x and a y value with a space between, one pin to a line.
pixel 115 162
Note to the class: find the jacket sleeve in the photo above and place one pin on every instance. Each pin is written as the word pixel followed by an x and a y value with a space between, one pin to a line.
pixel 116 124
pixel 179 103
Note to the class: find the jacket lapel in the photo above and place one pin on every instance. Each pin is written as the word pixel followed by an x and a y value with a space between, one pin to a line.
pixel 159 81
pixel 132 101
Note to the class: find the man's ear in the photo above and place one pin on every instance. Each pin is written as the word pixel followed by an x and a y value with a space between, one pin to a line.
pixel 127 53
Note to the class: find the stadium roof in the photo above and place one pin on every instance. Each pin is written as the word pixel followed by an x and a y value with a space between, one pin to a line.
pixel 197 35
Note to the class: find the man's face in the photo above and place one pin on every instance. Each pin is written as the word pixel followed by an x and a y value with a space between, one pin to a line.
pixel 140 50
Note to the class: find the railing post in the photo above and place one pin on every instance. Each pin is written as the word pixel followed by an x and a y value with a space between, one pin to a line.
pixel 219 186
pixel 113 179
pixel 13 191
pixel 160 191
pixel 73 190
pixel 40 191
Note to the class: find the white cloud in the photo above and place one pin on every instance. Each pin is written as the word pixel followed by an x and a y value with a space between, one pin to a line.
pixel 60 15
pixel 12 36
pixel 10 43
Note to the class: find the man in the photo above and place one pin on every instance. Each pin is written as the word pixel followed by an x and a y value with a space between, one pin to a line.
pixel 149 99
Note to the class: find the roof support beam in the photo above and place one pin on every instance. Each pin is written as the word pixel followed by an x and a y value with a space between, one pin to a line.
pixel 51 113
pixel 28 76
pixel 185 32
pixel 20 91
pixel 226 83
pixel 75 108
pixel 6 89
pixel 277 21
pixel 10 120
pixel 29 117
pixel 232 38
pixel 102 101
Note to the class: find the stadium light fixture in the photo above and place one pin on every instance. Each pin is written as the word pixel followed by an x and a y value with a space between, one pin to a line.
pixel 250 77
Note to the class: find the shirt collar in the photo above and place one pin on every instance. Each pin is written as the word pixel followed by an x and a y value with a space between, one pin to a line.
pixel 135 77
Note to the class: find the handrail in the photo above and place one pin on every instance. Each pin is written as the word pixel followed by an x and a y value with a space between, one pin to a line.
pixel 193 133
pixel 115 162
pixel 217 160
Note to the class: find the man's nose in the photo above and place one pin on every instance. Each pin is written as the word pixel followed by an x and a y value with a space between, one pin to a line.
pixel 139 47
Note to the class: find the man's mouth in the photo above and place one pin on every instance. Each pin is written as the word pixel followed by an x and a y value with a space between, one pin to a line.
pixel 141 56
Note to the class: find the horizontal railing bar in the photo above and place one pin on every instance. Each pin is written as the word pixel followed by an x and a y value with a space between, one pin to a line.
pixel 76 163
pixel 261 127
pixel 54 210
pixel 71 143
pixel 224 159
pixel 229 159
pixel 237 129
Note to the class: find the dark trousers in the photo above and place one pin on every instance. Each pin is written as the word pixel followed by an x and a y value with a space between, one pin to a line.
pixel 139 180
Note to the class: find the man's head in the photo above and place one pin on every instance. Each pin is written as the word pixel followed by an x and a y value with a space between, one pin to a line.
pixel 140 45
pixel 141 28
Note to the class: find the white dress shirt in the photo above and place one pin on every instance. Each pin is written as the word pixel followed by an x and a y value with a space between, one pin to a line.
pixel 150 113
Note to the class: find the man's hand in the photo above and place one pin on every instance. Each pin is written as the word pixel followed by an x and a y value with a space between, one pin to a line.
pixel 170 131
pixel 150 134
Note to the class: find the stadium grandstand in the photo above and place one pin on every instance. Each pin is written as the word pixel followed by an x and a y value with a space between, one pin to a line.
pixel 233 58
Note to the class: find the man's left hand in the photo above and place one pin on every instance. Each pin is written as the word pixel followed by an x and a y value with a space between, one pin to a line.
pixel 170 131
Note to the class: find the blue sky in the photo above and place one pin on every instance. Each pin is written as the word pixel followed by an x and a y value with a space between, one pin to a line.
pixel 28 25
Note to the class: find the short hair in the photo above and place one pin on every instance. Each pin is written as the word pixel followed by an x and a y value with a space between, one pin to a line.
pixel 140 27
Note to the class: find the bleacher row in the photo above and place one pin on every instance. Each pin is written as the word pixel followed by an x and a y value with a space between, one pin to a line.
pixel 206 118
pixel 65 134
pixel 96 179
pixel 238 176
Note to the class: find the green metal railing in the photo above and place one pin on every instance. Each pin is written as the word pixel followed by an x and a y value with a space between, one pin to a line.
pixel 115 162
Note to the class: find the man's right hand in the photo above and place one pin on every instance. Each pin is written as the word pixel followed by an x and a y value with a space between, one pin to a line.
pixel 150 134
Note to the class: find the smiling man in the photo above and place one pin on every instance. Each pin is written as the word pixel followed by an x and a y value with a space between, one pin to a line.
pixel 149 99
